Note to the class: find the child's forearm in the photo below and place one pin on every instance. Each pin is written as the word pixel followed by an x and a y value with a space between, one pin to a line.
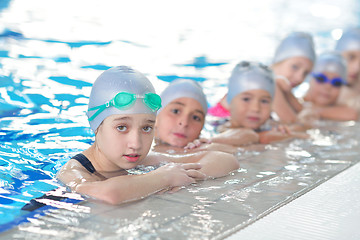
pixel 236 137
pixel 122 189
pixel 283 108
pixel 338 113
pixel 218 164
pixel 294 102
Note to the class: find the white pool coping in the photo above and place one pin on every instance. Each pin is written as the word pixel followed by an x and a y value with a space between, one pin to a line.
pixel 330 211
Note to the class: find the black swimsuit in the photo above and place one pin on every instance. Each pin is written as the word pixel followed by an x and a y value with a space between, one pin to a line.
pixel 35 204
pixel 83 160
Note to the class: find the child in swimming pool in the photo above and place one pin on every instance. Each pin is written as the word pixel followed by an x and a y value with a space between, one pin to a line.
pixel 328 77
pixel 122 114
pixel 251 90
pixel 182 117
pixel 293 61
pixel 349 46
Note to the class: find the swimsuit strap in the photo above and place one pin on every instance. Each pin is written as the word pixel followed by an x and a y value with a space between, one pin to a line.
pixel 83 160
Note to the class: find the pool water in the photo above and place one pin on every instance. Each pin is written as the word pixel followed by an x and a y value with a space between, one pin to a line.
pixel 51 52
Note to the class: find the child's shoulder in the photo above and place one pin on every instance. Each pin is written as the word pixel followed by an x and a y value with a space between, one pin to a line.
pixel 74 173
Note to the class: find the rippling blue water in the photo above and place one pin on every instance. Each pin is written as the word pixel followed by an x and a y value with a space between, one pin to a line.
pixel 52 51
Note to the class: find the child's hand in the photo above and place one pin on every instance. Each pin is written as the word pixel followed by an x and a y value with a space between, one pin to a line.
pixel 283 83
pixel 283 129
pixel 197 143
pixel 179 175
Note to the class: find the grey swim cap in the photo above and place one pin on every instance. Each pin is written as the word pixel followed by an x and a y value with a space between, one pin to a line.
pixel 184 88
pixel 250 76
pixel 349 41
pixel 331 62
pixel 296 44
pixel 111 82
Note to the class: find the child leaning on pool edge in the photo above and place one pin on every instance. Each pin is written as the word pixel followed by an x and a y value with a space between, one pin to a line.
pixel 326 81
pixel 349 46
pixel 251 90
pixel 122 114
pixel 182 117
pixel 293 61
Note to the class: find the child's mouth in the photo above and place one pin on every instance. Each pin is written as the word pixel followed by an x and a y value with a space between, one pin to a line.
pixel 132 157
pixel 180 135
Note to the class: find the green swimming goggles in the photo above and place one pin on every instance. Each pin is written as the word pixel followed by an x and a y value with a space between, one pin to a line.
pixel 124 100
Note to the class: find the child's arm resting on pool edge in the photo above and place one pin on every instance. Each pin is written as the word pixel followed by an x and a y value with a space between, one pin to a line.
pixel 213 163
pixel 280 133
pixel 236 137
pixel 126 188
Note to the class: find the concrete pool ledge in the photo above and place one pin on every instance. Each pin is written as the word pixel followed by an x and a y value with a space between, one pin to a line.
pixel 330 211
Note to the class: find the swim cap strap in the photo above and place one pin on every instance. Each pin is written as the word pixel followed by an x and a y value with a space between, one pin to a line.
pixel 99 110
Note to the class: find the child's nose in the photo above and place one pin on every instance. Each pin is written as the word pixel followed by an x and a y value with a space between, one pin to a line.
pixel 255 106
pixel 183 121
pixel 134 140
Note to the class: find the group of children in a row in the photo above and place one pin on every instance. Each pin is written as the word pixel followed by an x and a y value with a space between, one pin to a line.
pixel 129 118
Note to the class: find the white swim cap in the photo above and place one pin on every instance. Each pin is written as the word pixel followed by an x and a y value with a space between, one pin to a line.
pixel 184 88
pixel 331 62
pixel 108 85
pixel 250 76
pixel 296 44
pixel 349 41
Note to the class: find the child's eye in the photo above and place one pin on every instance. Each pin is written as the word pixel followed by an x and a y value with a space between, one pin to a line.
pixel 122 128
pixel 197 118
pixel 246 99
pixel 295 67
pixel 147 129
pixel 175 111
pixel 265 101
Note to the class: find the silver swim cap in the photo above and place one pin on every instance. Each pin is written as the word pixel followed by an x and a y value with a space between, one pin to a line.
pixel 108 85
pixel 331 62
pixel 349 41
pixel 184 88
pixel 250 76
pixel 296 44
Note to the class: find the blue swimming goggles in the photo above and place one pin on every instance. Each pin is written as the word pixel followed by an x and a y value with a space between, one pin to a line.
pixel 124 100
pixel 321 78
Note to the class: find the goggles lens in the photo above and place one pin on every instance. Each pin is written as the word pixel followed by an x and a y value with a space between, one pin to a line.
pixel 321 78
pixel 124 100
pixel 153 101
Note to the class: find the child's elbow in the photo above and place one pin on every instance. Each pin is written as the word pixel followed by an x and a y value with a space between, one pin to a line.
pixel 353 116
pixel 253 136
pixel 113 200
pixel 108 195
pixel 231 161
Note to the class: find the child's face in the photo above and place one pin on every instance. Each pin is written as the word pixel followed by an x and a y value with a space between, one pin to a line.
pixel 124 140
pixel 353 66
pixel 295 69
pixel 250 109
pixel 180 122
pixel 324 94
